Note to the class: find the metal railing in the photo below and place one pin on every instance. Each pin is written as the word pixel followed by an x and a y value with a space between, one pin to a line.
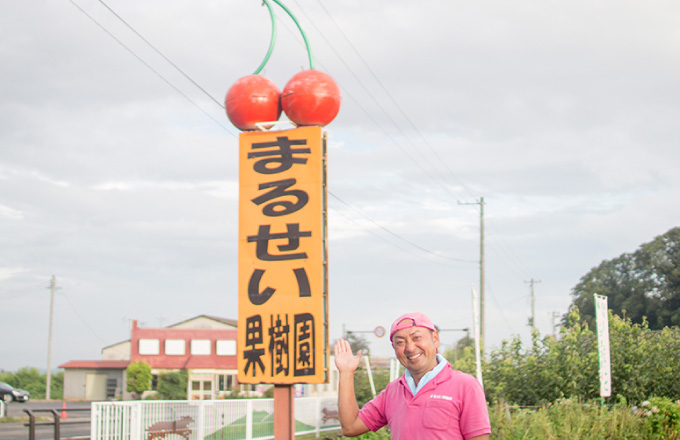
pixel 238 419
pixel 57 422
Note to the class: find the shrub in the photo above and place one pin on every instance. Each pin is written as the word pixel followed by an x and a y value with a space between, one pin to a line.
pixel 661 418
pixel 138 377
pixel 173 386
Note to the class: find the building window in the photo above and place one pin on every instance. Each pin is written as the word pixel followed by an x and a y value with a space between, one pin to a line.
pixel 175 347
pixel 226 348
pixel 149 346
pixel 200 347
pixel 111 388
pixel 225 382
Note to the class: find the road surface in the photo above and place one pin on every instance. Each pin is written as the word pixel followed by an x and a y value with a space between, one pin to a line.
pixel 17 431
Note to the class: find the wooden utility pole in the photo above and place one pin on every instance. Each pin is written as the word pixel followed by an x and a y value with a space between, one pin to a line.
pixel 554 316
pixel 53 286
pixel 532 320
pixel 481 274
pixel 481 271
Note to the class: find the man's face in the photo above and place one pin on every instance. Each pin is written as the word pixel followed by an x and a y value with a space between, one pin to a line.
pixel 416 349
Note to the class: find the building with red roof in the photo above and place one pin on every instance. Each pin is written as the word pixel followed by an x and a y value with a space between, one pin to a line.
pixel 204 346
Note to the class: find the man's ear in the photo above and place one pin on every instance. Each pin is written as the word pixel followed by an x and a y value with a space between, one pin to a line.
pixel 435 337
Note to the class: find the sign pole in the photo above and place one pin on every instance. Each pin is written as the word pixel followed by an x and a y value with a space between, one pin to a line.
pixel 602 320
pixel 284 417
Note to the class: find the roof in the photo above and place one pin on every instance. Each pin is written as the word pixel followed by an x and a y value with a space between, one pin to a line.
pixel 230 322
pixel 96 365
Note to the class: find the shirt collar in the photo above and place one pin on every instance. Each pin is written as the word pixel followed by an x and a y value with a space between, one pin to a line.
pixel 441 363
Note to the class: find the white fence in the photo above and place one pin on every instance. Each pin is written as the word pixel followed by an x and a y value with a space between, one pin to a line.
pixel 207 419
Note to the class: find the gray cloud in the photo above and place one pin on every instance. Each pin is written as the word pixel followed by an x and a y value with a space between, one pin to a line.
pixel 564 117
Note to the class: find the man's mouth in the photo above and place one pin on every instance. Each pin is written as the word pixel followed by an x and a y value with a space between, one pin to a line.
pixel 414 357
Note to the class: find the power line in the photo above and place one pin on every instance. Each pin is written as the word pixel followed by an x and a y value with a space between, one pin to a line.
pixel 11 294
pixel 389 95
pixel 205 92
pixel 140 59
pixel 394 234
pixel 221 105
pixel 375 122
pixel 403 113
pixel 80 317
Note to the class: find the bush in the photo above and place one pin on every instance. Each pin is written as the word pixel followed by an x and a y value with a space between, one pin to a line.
pixel 661 418
pixel 566 419
pixel 643 363
pixel 173 386
pixel 138 377
pixel 33 381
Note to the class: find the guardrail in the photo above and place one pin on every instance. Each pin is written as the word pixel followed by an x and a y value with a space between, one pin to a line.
pixel 32 423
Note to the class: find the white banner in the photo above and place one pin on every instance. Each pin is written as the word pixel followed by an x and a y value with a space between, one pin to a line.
pixel 476 331
pixel 602 319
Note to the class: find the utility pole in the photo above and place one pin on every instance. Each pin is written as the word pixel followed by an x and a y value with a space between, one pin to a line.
pixel 553 317
pixel 53 286
pixel 481 270
pixel 532 320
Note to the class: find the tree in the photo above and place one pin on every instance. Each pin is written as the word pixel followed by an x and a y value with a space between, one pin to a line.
pixel 459 350
pixel 639 285
pixel 138 377
pixel 33 381
pixel 173 386
pixel 358 342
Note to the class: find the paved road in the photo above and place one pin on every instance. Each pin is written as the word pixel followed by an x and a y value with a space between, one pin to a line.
pixel 17 431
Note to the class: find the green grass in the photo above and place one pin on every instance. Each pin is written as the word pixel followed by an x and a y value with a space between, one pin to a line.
pixel 263 425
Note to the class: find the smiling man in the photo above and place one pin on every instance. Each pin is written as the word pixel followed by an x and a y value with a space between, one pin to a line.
pixel 429 402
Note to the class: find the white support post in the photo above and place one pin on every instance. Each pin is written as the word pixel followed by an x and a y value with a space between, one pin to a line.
pixel 370 375
pixel 249 420
pixel 318 416
pixel 201 418
pixel 136 421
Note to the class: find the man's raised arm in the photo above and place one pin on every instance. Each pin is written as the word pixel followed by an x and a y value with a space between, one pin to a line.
pixel 348 408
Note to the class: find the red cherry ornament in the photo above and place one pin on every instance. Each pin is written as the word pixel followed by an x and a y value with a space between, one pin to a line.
pixel 252 99
pixel 311 97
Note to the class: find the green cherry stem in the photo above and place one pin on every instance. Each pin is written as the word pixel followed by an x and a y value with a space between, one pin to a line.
pixel 271 41
pixel 304 37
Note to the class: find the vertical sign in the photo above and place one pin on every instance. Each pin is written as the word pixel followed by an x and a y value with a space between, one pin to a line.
pixel 282 287
pixel 476 331
pixel 602 319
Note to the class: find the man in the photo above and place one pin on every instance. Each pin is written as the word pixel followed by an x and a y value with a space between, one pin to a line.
pixel 429 402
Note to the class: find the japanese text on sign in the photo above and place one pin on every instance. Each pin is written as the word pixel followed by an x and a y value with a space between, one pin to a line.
pixel 282 275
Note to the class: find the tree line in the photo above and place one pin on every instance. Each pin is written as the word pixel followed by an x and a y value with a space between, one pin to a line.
pixel 35 382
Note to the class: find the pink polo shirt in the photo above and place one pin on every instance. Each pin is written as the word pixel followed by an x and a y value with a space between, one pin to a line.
pixel 451 406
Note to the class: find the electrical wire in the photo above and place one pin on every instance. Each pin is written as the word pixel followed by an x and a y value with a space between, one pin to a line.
pixel 80 317
pixel 346 92
pixel 140 59
pixel 11 294
pixel 410 243
pixel 512 256
pixel 264 62
pixel 394 102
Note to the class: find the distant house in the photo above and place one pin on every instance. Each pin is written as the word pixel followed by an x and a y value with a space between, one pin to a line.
pixel 205 346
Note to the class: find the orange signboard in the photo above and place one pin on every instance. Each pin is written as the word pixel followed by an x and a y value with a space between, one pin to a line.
pixel 282 282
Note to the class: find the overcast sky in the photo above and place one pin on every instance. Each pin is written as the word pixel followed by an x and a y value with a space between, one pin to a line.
pixel 118 170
